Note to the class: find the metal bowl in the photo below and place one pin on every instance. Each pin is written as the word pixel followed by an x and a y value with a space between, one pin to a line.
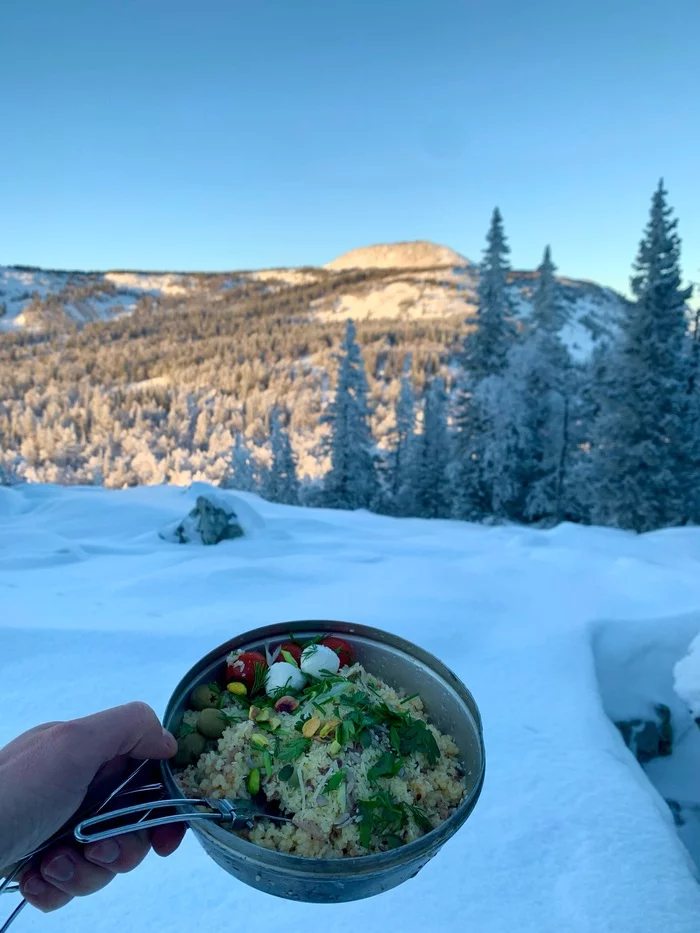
pixel 400 664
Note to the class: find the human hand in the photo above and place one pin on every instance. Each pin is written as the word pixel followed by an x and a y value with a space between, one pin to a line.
pixel 47 773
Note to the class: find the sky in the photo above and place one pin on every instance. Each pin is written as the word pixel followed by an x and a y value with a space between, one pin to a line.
pixel 217 135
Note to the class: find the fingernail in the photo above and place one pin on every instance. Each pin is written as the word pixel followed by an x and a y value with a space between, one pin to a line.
pixel 170 741
pixel 35 887
pixel 105 852
pixel 61 868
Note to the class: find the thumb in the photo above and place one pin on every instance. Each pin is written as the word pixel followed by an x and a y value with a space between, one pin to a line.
pixel 132 729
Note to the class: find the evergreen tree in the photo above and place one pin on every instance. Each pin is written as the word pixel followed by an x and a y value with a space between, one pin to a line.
pixel 547 311
pixel 241 472
pixel 351 482
pixel 485 356
pixel 281 483
pixel 641 453
pixel 487 346
pixel 401 455
pixel 432 451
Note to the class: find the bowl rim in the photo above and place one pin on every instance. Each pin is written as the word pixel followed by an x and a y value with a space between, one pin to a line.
pixel 329 867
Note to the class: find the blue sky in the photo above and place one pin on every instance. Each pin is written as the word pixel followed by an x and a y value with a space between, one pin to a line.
pixel 165 134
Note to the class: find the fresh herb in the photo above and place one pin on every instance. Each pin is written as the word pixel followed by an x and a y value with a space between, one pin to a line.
pixel 289 658
pixel 294 749
pixel 394 739
pixel 387 766
pixel 267 762
pixel 311 649
pixel 420 816
pixel 335 781
pixel 214 687
pixel 394 842
pixel 321 707
pixel 415 736
pixel 185 729
pixel 347 731
pixel 381 816
pixel 408 699
pixel 259 675
pixel 286 772
pixel 365 738
pixel 313 641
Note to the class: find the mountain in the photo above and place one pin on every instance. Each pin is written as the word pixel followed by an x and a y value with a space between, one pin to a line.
pixel 395 281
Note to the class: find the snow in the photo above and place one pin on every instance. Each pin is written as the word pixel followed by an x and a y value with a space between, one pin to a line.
pixel 686 681
pixel 555 632
pixel 19 285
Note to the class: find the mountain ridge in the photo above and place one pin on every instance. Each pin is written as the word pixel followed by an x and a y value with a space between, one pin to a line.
pixel 414 279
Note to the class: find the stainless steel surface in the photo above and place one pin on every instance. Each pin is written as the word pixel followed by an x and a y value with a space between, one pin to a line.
pixel 399 663
pixel 234 812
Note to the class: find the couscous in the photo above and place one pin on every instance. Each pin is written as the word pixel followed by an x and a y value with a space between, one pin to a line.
pixel 354 763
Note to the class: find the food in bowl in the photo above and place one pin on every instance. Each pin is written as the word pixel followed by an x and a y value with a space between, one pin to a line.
pixel 354 764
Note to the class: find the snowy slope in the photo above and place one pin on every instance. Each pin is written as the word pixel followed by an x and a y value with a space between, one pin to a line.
pixel 569 834
pixel 383 282
pixel 81 296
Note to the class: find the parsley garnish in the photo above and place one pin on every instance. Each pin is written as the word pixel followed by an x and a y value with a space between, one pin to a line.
pixel 381 816
pixel 294 749
pixel 387 766
pixel 335 781
pixel 286 772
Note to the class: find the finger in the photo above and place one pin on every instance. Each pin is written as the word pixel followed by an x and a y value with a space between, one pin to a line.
pixel 41 894
pixel 120 854
pixel 166 839
pixel 67 870
pixel 132 729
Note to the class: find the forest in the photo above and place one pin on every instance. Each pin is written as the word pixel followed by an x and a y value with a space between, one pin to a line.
pixel 489 418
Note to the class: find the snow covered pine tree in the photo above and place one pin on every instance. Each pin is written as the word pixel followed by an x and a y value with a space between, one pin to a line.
pixel 401 457
pixel 642 435
pixel 432 449
pixel 351 482
pixel 281 483
pixel 241 473
pixel 485 352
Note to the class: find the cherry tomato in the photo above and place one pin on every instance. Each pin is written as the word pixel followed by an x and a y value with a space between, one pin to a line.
pixel 341 648
pixel 294 650
pixel 243 668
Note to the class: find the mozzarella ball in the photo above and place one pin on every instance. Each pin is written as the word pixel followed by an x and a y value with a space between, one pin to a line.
pixel 318 658
pixel 282 674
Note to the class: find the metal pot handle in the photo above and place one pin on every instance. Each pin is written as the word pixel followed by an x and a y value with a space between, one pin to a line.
pixel 89 831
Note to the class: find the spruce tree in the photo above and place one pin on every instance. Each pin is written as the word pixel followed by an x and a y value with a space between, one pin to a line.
pixel 401 458
pixel 281 483
pixel 241 473
pixel 351 482
pixel 641 453
pixel 432 451
pixel 547 311
pixel 486 347
pixel 485 355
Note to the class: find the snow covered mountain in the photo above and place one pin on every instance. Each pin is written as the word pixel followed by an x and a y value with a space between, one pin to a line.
pixel 383 282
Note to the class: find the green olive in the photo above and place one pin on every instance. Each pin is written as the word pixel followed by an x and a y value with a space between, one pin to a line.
pixel 211 723
pixel 189 748
pixel 203 697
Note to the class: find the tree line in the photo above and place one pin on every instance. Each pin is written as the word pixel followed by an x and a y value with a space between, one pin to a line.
pixel 529 435
pixel 486 419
